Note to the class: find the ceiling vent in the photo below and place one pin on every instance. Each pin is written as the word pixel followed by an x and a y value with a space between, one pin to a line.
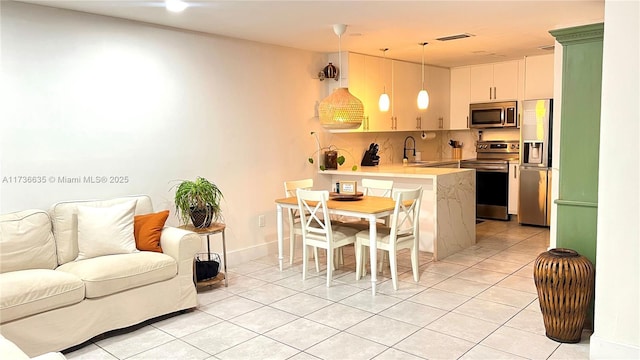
pixel 546 47
pixel 454 37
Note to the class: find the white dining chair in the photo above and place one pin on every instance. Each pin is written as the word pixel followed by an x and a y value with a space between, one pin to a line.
pixel 295 228
pixel 403 233
pixel 317 230
pixel 372 187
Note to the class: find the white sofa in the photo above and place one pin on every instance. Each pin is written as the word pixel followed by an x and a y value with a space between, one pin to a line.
pixel 50 300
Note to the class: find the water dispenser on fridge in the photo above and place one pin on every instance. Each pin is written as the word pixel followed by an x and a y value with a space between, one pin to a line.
pixel 534 203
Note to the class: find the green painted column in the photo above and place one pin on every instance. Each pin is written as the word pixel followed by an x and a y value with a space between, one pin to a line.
pixel 577 201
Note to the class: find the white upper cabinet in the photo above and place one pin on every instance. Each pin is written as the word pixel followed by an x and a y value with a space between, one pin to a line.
pixel 377 79
pixel 538 81
pixel 459 95
pixel 437 84
pixel 407 82
pixel 368 76
pixel 494 82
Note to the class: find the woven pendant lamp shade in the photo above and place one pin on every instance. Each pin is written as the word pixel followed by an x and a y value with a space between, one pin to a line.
pixel 341 110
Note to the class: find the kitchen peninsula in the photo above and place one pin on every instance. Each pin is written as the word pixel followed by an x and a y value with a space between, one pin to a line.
pixel 447 214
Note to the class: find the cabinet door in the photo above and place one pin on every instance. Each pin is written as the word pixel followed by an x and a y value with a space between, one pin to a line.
pixel 357 84
pixel 407 82
pixel 481 83
pixel 538 77
pixel 514 188
pixel 505 80
pixel 375 83
pixel 459 113
pixel 437 84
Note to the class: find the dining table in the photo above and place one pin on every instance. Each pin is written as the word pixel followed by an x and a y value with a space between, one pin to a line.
pixel 371 208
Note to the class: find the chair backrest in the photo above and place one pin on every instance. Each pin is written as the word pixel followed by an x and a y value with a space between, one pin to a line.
pixel 374 187
pixel 405 220
pixel 314 215
pixel 290 188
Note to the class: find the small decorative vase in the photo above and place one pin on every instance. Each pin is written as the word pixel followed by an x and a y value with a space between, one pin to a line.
pixel 331 160
pixel 564 280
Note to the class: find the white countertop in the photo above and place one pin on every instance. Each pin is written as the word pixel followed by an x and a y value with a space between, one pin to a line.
pixel 397 171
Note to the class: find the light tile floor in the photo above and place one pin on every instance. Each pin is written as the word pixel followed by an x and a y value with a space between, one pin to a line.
pixel 478 304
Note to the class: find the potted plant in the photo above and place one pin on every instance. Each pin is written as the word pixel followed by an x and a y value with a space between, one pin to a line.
pixel 331 157
pixel 199 201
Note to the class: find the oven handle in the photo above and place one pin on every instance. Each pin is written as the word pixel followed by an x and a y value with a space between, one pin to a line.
pixel 497 168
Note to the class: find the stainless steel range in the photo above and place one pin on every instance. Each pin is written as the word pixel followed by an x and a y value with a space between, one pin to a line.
pixel 492 177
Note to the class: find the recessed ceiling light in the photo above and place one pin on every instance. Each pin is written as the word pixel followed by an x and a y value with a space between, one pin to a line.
pixel 175 5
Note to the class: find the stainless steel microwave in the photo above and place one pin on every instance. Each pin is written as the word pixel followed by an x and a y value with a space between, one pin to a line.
pixel 493 115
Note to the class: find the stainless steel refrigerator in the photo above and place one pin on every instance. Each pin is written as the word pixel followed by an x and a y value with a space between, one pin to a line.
pixel 534 205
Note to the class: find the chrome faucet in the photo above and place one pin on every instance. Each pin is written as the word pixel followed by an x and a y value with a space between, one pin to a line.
pixel 404 153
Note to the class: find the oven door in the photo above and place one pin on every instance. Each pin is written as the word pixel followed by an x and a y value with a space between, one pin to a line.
pixel 492 190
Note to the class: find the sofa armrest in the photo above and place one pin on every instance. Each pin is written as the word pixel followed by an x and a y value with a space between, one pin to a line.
pixel 182 245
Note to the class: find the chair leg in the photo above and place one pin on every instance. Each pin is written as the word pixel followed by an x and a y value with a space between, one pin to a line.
pixel 292 246
pixel 415 263
pixel 304 261
pixel 358 251
pixel 394 268
pixel 317 264
pixel 383 257
pixel 330 260
pixel 365 252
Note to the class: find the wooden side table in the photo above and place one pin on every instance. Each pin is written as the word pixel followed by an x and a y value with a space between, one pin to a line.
pixel 215 228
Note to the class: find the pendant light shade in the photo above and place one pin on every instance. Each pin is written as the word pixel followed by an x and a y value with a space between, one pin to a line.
pixel 423 95
pixel 423 99
pixel 384 102
pixel 340 110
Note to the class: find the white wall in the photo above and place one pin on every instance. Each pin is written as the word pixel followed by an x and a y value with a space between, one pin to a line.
pixel 617 317
pixel 86 95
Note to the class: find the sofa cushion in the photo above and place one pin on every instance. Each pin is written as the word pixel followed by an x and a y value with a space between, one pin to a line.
pixel 28 292
pixel 105 230
pixel 64 218
pixel 26 241
pixel 109 274
pixel 147 230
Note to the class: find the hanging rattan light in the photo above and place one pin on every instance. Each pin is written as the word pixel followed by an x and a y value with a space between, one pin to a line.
pixel 340 110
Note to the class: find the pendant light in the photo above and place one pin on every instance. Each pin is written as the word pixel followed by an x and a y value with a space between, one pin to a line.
pixel 384 102
pixel 340 110
pixel 423 95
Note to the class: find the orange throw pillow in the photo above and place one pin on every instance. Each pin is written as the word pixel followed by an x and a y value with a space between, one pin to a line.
pixel 147 229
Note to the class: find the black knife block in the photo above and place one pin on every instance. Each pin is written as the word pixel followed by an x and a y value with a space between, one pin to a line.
pixel 370 159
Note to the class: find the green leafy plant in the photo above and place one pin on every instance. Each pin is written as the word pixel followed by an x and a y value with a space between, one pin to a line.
pixel 200 195
pixel 340 160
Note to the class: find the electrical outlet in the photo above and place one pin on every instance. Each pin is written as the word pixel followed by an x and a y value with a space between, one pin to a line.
pixel 261 221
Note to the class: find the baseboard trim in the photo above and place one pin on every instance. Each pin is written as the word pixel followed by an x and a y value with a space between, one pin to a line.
pixel 600 348
pixel 241 256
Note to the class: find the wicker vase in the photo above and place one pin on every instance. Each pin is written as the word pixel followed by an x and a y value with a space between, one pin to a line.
pixel 564 280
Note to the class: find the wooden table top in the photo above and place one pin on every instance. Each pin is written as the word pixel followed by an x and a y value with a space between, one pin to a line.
pixel 365 205
pixel 214 228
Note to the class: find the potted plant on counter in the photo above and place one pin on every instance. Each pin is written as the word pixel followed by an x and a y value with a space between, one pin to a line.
pixel 198 201
pixel 331 157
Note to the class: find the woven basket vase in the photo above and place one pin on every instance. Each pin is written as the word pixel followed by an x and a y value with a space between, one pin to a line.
pixel 564 280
